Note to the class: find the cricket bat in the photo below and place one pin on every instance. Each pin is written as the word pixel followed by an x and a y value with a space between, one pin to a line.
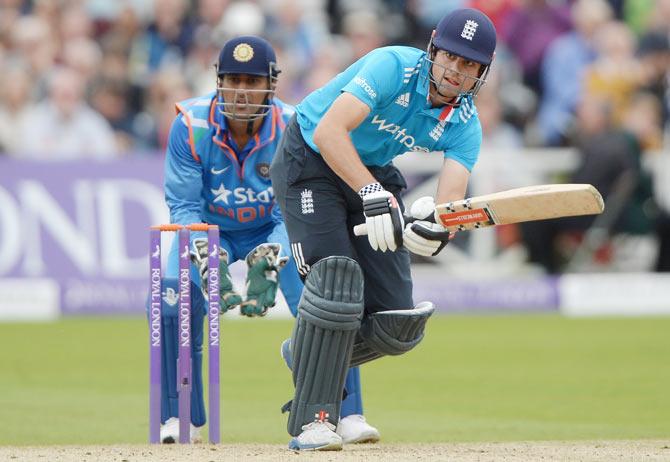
pixel 516 206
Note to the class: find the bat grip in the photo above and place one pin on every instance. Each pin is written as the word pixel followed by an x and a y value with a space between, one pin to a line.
pixel 362 229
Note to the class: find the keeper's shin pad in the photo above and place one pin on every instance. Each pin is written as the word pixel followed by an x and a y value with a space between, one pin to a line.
pixel 329 315
pixel 390 333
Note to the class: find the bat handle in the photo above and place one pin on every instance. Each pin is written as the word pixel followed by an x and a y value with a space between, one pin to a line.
pixel 361 230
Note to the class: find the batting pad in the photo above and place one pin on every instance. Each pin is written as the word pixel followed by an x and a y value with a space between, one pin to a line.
pixel 329 315
pixel 390 333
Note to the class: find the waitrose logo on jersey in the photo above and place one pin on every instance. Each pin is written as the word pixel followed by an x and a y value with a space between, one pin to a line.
pixel 399 134
pixel 361 82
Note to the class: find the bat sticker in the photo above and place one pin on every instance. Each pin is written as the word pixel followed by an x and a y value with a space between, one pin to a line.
pixel 481 217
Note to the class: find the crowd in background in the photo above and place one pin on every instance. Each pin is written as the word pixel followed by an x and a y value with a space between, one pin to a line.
pixel 110 71
pixel 94 78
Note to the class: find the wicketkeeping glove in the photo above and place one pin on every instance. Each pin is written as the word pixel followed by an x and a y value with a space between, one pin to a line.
pixel 424 236
pixel 264 264
pixel 229 299
pixel 383 217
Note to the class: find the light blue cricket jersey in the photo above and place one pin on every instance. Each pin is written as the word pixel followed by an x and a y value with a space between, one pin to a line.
pixel 393 82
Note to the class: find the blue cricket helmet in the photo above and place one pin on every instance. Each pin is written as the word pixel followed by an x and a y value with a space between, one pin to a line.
pixel 247 54
pixel 468 33
pixel 251 55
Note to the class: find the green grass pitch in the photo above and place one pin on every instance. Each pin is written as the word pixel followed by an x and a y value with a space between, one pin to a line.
pixel 473 378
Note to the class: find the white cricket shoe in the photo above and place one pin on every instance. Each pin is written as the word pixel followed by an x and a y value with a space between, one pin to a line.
pixel 317 436
pixel 170 432
pixel 354 429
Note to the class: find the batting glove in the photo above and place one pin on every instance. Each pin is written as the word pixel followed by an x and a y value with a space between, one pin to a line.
pixel 424 236
pixel 383 217
pixel 264 264
pixel 229 299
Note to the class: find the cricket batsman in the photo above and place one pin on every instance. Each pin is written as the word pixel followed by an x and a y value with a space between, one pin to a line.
pixel 217 171
pixel 333 170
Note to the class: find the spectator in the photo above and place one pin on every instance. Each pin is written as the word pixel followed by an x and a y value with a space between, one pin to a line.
pixel 338 9
pixel 615 75
pixel 48 11
pixel 608 153
pixel 643 120
pixel 659 19
pixel 654 56
pixel 153 124
pixel 123 30
pixel 210 13
pixel 84 56
pixel 10 12
pixel 618 7
pixel 115 66
pixel 563 68
pixel 75 24
pixel 63 126
pixel 206 44
pixel 34 41
pixel 200 61
pixel 496 132
pixel 425 12
pixel 330 62
pixel 240 18
pixel 498 10
pixel 531 28
pixel 110 98
pixel 364 31
pixel 299 31
pixel 610 161
pixel 15 99
pixel 167 40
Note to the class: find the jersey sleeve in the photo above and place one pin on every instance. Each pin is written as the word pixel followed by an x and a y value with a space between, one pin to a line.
pixel 378 80
pixel 464 145
pixel 183 178
pixel 286 110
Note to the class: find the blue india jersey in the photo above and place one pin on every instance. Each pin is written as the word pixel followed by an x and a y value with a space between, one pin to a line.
pixel 393 82
pixel 206 178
